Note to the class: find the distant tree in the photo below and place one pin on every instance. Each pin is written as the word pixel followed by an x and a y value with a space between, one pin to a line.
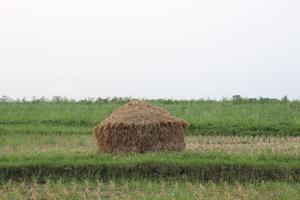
pixel 58 99
pixel 5 99
pixel 284 99
pixel 236 97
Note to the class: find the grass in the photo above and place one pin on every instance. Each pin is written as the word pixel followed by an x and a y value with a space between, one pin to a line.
pixel 243 117
pixel 201 166
pixel 149 189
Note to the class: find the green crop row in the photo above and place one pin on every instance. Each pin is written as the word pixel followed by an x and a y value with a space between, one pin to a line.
pixel 202 166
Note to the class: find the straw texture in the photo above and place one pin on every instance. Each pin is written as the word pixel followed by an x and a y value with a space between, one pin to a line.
pixel 140 127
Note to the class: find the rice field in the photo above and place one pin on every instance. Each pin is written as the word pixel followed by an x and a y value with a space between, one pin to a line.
pixel 235 149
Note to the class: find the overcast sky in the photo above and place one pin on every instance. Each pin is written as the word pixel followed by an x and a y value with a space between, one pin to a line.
pixel 151 49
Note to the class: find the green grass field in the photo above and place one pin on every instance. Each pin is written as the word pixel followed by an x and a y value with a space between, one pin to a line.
pixel 235 149
pixel 235 117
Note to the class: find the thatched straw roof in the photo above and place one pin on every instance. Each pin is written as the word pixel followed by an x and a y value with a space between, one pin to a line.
pixel 140 127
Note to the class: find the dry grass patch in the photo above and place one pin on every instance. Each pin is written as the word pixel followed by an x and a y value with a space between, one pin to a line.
pixel 246 144
pixel 147 189
pixel 19 144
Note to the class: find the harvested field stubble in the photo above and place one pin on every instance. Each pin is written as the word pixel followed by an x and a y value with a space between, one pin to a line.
pixel 34 143
pixel 147 189
pixel 245 145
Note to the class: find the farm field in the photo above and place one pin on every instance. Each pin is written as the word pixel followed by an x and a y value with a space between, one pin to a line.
pixel 206 117
pixel 235 149
pixel 148 189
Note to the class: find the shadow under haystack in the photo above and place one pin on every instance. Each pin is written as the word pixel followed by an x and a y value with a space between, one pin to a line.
pixel 140 127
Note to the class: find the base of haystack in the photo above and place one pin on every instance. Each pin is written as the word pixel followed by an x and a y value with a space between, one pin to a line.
pixel 140 138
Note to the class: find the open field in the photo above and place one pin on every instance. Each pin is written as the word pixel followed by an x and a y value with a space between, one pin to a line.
pixel 206 158
pixel 240 149
pixel 239 117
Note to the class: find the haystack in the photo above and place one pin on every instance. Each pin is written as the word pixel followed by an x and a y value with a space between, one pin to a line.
pixel 140 127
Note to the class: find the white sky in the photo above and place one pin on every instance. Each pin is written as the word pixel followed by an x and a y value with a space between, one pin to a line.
pixel 153 49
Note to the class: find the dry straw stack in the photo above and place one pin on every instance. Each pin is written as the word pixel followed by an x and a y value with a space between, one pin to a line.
pixel 140 127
